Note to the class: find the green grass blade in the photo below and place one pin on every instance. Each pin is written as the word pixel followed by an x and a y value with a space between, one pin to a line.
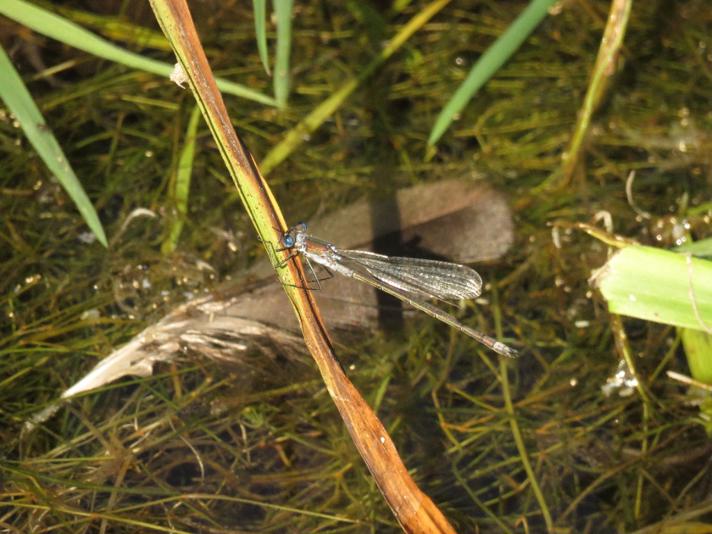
pixel 609 51
pixel 61 29
pixel 658 285
pixel 112 27
pixel 19 102
pixel 180 190
pixel 698 348
pixel 490 62
pixel 259 8
pixel 283 10
pixel 702 248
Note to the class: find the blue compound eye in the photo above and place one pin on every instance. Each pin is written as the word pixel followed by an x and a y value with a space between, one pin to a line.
pixel 288 241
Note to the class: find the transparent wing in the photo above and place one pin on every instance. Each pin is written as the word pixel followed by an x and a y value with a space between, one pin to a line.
pixel 395 287
pixel 431 278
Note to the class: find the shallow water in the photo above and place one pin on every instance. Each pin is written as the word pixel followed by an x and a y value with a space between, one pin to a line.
pixel 255 444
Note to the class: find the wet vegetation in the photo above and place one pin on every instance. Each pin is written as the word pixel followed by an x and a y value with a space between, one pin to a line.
pixel 255 445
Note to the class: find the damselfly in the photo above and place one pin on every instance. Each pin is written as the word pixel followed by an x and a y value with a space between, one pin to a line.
pixel 411 280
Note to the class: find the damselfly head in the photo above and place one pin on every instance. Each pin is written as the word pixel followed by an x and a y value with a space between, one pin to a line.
pixel 294 235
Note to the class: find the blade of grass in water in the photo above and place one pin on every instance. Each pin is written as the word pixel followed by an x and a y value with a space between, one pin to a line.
pixel 603 70
pixel 490 62
pixel 20 103
pixel 702 248
pixel 114 27
pixel 698 348
pixel 283 10
pixel 259 9
pixel 658 285
pixel 61 29
pixel 181 185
